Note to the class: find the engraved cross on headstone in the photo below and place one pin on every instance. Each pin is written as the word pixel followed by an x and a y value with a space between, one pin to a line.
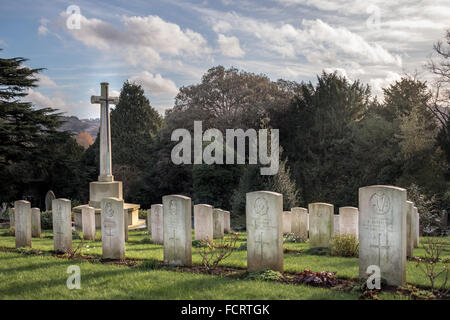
pixel 261 243
pixel 173 239
pixel 105 132
pixel 379 247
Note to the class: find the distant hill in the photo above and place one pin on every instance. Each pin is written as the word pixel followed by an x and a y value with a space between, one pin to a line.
pixel 77 126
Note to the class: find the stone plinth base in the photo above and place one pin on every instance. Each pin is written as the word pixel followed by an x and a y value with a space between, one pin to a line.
pixel 131 209
pixel 100 190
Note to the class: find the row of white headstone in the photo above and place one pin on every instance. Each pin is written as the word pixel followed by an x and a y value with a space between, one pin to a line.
pixel 209 222
pixel 387 225
pixel 296 221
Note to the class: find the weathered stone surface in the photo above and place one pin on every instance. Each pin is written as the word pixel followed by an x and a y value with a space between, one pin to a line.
pixel 264 230
pixel 416 242
pixel 203 222
pixel 35 222
pixel 410 226
pixel 62 225
pixel 287 221
pixel 88 223
pixel 177 230
pixel 299 222
pixel 22 215
pixel 321 224
pixel 227 221
pixel 157 219
pixel 12 220
pixel 348 221
pixel 218 231
pixel 149 221
pixel 125 223
pixel 382 232
pixel 49 197
pixel 336 224
pixel 113 234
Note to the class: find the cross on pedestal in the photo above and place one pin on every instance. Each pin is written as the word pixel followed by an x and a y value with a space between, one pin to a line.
pixel 261 244
pixel 379 247
pixel 105 132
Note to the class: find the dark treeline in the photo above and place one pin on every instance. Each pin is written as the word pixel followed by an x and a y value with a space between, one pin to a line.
pixel 334 138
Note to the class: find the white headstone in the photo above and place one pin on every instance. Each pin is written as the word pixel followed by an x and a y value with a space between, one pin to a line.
pixel 12 219
pixel 410 229
pixel 88 222
pixel 149 221
pixel 382 232
pixel 416 242
pixel 62 225
pixel 299 222
pixel 125 223
pixel 218 222
pixel 264 231
pixel 113 234
pixel 203 222
pixel 336 224
pixel 348 221
pixel 177 230
pixel 226 221
pixel 49 197
pixel 157 219
pixel 287 221
pixel 22 213
pixel 35 222
pixel 321 224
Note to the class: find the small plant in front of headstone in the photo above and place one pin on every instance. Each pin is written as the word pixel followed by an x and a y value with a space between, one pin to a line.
pixel 429 265
pixel 318 251
pixel 415 294
pixel 11 231
pixel 345 245
pixel 317 279
pixel 293 238
pixel 149 264
pixel 265 275
pixel 216 251
pixel 146 240
pixel 242 247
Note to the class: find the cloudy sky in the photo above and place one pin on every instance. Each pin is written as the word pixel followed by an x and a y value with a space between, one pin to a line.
pixel 165 45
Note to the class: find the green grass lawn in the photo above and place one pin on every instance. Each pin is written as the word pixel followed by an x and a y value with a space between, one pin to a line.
pixel 44 277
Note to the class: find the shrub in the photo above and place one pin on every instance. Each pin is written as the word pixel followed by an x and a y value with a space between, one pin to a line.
pixel 198 244
pixel 265 275
pixel 428 264
pixel 215 251
pixel 46 220
pixel 345 245
pixel 143 214
pixel 12 231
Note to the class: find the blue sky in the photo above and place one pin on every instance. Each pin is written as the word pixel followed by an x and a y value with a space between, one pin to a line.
pixel 165 45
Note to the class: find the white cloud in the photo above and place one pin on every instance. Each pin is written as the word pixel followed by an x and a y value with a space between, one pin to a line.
pixel 45 81
pixel 229 46
pixel 141 41
pixel 43 29
pixel 155 84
